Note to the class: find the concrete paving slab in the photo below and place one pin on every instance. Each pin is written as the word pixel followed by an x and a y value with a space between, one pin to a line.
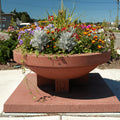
pixel 117 41
pixel 89 118
pixel 82 98
pixel 10 118
pixel 91 114
pixel 9 80
pixel 31 118
pixel 5 35
pixel 44 118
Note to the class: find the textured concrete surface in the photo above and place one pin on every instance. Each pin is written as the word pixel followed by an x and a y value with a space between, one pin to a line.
pixel 10 79
pixel 5 35
pixel 31 118
pixel 93 96
pixel 117 41
pixel 88 118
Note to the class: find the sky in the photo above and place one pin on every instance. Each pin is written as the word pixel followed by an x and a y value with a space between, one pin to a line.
pixel 89 10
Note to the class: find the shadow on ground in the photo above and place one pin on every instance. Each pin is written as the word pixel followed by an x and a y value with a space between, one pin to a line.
pixel 96 88
pixel 114 85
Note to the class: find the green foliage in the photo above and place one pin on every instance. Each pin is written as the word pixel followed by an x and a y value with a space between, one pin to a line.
pixel 6 48
pixel 24 16
pixel 64 17
pixel 116 22
pixel 12 22
pixel 104 24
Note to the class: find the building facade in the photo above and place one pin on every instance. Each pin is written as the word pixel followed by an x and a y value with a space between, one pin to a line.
pixel 6 19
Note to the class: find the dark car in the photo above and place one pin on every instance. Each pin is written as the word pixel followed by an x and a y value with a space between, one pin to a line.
pixel 118 27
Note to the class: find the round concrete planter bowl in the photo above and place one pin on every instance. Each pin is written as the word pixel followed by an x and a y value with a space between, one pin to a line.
pixel 61 69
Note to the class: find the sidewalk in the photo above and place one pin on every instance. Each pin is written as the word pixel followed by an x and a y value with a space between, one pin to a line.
pixel 4 35
pixel 10 79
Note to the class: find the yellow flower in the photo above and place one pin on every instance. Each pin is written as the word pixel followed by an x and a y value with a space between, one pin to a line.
pixel 89 35
pixel 85 33
pixel 95 37
pixel 48 46
pixel 99 46
pixel 52 32
pixel 48 31
pixel 99 27
pixel 100 40
pixel 93 41
pixel 90 31
pixel 103 42
pixel 87 29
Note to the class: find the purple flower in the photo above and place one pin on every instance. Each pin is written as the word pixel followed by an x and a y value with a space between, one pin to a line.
pixel 21 41
pixel 36 24
pixel 38 28
pixel 26 30
pixel 21 32
pixel 19 37
pixel 32 32
pixel 30 42
pixel 50 26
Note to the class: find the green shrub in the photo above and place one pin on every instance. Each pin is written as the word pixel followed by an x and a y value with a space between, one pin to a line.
pixel 7 47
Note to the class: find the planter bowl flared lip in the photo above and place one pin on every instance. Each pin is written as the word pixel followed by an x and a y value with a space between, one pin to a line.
pixel 75 60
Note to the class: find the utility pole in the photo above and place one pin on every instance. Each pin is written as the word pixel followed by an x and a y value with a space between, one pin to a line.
pixel 62 7
pixel 0 15
pixel 117 13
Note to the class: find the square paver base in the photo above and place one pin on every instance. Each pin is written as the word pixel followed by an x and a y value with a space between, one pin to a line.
pixel 92 97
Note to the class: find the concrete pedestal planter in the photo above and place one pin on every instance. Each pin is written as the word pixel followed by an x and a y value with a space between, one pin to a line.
pixel 61 69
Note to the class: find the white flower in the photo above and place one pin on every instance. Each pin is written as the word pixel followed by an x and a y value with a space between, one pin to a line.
pixel 100 30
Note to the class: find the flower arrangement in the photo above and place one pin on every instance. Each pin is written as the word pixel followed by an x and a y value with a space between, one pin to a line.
pixel 61 36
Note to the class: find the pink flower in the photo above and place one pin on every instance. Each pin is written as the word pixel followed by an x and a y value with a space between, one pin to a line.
pixel 89 26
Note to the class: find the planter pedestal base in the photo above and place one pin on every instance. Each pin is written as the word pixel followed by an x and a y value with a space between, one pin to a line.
pixel 61 85
pixel 92 97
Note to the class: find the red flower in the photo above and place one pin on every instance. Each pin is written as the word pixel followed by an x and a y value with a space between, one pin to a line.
pixel 50 18
pixel 68 25
pixel 57 30
pixel 69 31
pixel 64 28
pixel 42 27
pixel 75 26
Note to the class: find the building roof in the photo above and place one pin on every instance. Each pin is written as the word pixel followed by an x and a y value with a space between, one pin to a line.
pixel 8 14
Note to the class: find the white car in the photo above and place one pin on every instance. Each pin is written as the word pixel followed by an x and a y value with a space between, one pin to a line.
pixel 23 24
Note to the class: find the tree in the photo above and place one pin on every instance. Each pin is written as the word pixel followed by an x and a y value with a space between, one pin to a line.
pixel 116 22
pixel 104 24
pixel 12 22
pixel 117 18
pixel 23 18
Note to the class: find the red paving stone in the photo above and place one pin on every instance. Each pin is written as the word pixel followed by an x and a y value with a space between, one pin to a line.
pixel 95 96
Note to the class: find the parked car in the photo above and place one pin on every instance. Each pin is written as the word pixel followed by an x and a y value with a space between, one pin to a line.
pixel 23 25
pixel 118 27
